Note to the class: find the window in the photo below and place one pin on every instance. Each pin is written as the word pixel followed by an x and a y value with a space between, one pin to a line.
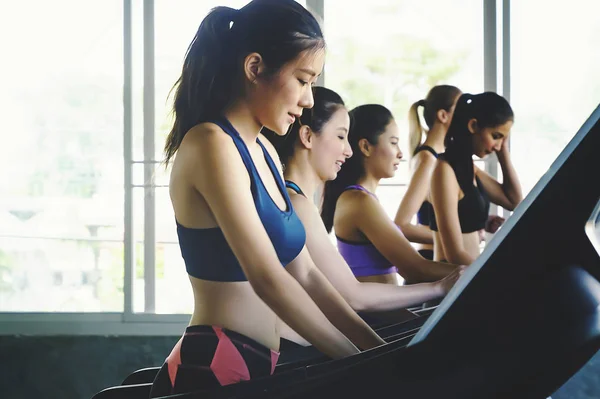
pixel 552 86
pixel 392 52
pixel 61 198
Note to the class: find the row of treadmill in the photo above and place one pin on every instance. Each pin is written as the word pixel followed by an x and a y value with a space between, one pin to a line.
pixel 519 323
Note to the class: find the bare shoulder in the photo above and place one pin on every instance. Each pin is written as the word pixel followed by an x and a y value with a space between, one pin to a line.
pixel 303 207
pixel 357 203
pixel 207 137
pixel 423 159
pixel 208 154
pixel 443 170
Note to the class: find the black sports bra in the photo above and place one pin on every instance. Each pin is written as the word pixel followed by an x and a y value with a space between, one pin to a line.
pixel 426 209
pixel 473 209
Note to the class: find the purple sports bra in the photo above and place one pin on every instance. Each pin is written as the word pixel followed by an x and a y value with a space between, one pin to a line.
pixel 362 257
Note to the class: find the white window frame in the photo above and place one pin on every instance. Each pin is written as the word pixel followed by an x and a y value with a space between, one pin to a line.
pixel 150 323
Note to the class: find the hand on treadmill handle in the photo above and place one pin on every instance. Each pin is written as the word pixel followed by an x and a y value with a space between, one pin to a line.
pixel 448 282
pixel 493 223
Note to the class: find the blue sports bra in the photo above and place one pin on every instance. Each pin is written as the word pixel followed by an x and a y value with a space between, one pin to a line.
pixel 207 254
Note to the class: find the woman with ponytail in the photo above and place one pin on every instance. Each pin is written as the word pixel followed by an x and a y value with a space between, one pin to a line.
pixel 372 245
pixel 313 153
pixel 242 242
pixel 460 191
pixel 438 107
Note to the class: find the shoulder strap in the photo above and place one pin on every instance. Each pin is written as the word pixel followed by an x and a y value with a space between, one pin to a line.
pixel 426 148
pixel 293 186
pixel 360 188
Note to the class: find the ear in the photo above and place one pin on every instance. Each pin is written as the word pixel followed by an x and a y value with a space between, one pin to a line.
pixel 306 136
pixel 365 147
pixel 443 116
pixel 253 67
pixel 472 126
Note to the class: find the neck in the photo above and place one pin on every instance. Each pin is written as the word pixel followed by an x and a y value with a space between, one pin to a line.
pixel 435 137
pixel 239 115
pixel 299 170
pixel 369 182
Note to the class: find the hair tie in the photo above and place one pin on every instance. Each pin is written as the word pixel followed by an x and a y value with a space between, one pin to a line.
pixel 421 103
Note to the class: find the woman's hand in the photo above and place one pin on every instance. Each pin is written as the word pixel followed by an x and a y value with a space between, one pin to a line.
pixel 448 282
pixel 493 223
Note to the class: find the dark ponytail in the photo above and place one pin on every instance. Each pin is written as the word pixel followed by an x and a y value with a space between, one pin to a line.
pixel 490 110
pixel 366 122
pixel 201 90
pixel 278 30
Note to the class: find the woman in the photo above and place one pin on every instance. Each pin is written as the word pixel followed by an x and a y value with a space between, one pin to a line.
pixel 246 69
pixel 438 107
pixel 313 153
pixel 461 192
pixel 370 242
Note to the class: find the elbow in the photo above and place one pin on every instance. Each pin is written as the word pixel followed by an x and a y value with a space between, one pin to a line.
pixel 459 258
pixel 265 286
pixel 514 203
pixel 353 296
pixel 356 301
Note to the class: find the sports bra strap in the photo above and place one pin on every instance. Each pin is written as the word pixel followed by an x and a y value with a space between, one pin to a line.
pixel 360 188
pixel 293 186
pixel 425 148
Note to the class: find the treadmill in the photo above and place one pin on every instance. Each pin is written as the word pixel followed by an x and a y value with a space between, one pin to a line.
pixel 519 323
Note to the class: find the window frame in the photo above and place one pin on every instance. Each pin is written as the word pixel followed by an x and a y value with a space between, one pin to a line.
pixel 150 323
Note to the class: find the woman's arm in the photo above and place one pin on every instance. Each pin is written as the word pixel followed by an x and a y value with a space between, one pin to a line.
pixel 370 218
pixel 332 303
pixel 508 194
pixel 415 195
pixel 215 168
pixel 360 296
pixel 444 198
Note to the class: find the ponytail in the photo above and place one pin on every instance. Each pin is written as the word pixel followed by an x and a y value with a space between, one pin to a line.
pixel 203 88
pixel 415 130
pixel 278 30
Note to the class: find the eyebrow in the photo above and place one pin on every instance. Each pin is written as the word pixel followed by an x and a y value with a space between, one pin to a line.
pixel 342 129
pixel 308 71
pixel 395 138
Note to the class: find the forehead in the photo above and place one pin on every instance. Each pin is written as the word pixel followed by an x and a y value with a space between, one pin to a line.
pixel 391 130
pixel 504 128
pixel 310 61
pixel 340 118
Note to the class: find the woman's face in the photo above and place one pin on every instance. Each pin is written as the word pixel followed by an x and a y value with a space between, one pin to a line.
pixel 489 139
pixel 386 154
pixel 278 100
pixel 331 148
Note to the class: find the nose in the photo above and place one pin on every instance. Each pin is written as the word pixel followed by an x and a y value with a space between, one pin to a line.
pixel 498 146
pixel 307 100
pixel 400 154
pixel 347 149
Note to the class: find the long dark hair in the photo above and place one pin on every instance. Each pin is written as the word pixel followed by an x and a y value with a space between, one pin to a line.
pixel 279 30
pixel 490 110
pixel 439 97
pixel 366 122
pixel 326 103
